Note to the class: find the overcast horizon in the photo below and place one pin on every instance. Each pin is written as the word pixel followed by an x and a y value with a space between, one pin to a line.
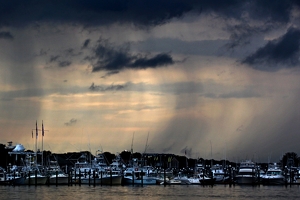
pixel 211 78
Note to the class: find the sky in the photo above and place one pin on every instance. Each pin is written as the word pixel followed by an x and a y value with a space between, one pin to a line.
pixel 212 79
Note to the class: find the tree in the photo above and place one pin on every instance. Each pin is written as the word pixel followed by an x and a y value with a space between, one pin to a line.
pixel 290 159
pixel 125 156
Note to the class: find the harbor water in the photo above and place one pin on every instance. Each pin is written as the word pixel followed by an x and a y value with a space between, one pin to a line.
pixel 151 192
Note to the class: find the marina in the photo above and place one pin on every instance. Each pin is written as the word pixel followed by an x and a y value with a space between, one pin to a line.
pixel 82 168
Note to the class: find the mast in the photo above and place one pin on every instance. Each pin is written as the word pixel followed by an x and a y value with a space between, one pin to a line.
pixel 132 143
pixel 36 136
pixel 211 161
pixel 131 155
pixel 42 143
pixel 146 146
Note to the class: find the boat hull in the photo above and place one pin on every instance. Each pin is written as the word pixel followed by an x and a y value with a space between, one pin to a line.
pixel 144 181
pixel 35 180
pixel 18 181
pixel 273 181
pixel 246 180
pixel 114 180
pixel 59 180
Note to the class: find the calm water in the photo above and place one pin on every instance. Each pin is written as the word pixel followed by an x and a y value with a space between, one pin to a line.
pixel 149 192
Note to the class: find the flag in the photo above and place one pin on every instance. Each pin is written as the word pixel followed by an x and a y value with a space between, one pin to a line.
pixel 36 130
pixel 42 129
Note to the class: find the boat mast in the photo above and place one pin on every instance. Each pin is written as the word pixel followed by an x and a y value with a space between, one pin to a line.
pixel 146 146
pixel 42 143
pixel 132 143
pixel 211 161
pixel 36 136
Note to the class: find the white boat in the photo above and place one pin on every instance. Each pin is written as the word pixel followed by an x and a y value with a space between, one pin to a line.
pixel 247 173
pixel 197 179
pixel 138 177
pixel 106 179
pixel 219 174
pixel 56 175
pixel 168 181
pixel 183 179
pixel 273 176
pixel 34 177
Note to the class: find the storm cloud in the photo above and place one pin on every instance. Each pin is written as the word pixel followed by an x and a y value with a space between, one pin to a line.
pixel 111 87
pixel 109 58
pixel 140 13
pixel 193 73
pixel 279 53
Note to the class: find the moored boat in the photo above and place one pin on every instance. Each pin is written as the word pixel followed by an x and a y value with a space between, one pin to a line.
pixel 247 173
pixel 273 176
pixel 137 177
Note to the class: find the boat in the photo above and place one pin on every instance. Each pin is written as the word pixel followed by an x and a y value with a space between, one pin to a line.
pixel 247 173
pixel 34 176
pixel 15 176
pixel 55 174
pixel 197 179
pixel 3 177
pixel 219 174
pixel 183 178
pixel 168 181
pixel 273 176
pixel 58 177
pixel 103 178
pixel 136 176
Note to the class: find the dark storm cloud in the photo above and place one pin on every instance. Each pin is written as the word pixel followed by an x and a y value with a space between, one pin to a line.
pixel 62 60
pixel 271 10
pixel 53 58
pixel 6 35
pixel 103 88
pixel 278 53
pixel 86 44
pixel 60 63
pixel 64 63
pixel 257 18
pixel 141 13
pixel 90 12
pixel 158 60
pixel 108 58
pixel 241 34
pixel 110 74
